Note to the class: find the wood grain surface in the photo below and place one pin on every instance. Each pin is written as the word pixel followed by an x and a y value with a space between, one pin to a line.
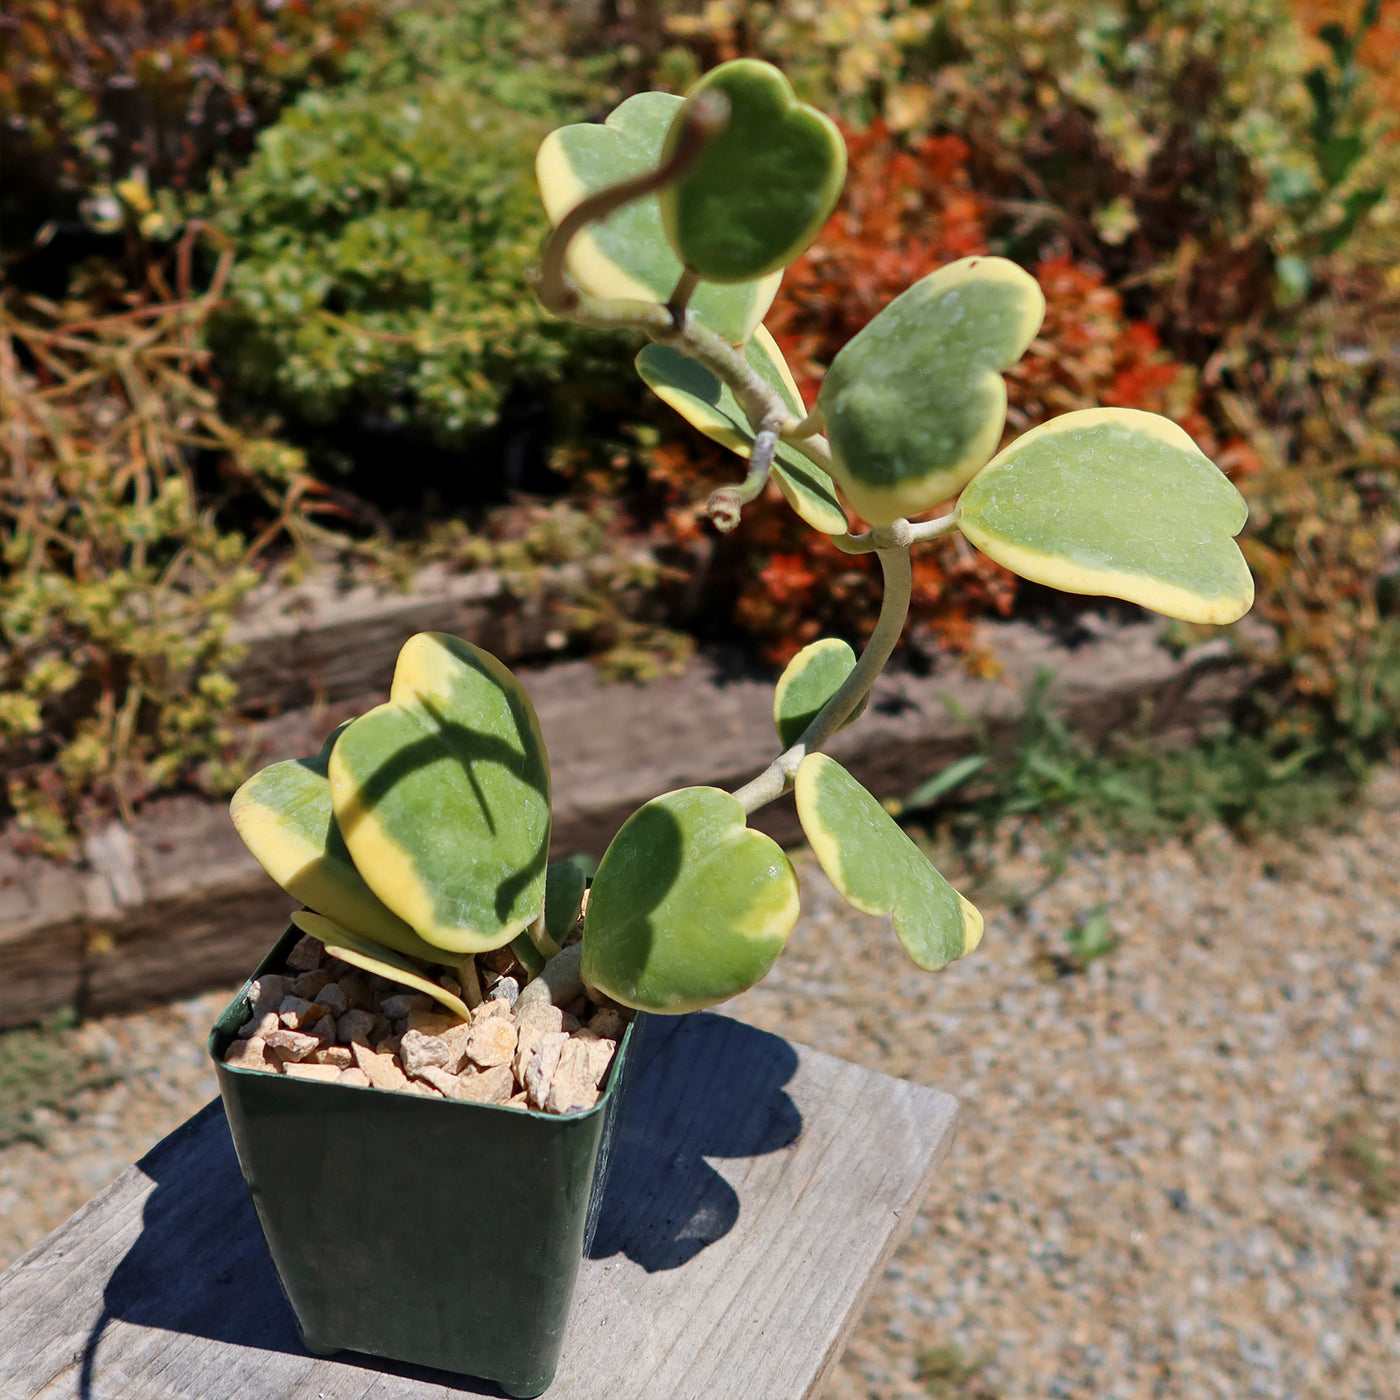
pixel 757 1188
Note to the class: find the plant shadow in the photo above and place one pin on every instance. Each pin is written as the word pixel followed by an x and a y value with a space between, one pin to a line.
pixel 702 1086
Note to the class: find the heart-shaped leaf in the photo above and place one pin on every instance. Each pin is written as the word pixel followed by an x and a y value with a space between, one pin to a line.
pixel 708 404
pixel 761 189
pixel 627 255
pixel 810 679
pixel 689 907
pixel 442 796
pixel 283 814
pixel 1115 501
pixel 370 956
pixel 915 403
pixel 878 869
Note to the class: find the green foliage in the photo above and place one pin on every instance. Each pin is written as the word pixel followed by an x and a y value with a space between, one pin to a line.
pixel 120 577
pixel 92 94
pixel 382 240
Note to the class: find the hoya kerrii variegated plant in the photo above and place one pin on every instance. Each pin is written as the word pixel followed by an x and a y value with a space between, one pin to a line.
pixel 421 833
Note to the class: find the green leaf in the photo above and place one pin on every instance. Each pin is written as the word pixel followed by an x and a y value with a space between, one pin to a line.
pixel 914 404
pixel 1115 501
pixel 810 679
pixel 442 796
pixel 878 869
pixel 370 956
pixel 283 814
pixel 761 189
pixel 628 256
pixel 689 907
pixel 954 775
pixel 708 404
pixel 565 883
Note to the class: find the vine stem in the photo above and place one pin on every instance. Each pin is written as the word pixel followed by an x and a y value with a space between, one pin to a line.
pixel 893 554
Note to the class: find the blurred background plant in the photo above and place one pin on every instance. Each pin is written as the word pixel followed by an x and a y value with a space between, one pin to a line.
pixel 264 300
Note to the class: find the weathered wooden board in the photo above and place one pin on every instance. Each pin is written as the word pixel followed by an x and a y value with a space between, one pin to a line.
pixel 757 1189
pixel 179 897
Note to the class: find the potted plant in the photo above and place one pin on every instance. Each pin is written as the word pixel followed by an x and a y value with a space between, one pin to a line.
pixel 466 1004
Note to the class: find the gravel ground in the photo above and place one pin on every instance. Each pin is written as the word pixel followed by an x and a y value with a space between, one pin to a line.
pixel 1175 1175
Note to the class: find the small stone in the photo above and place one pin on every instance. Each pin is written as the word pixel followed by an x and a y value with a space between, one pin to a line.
pixel 382 1070
pixel 506 989
pixel 295 1012
pixel 543 1014
pixel 302 1070
pixel 495 1007
pixel 248 1054
pixel 492 1042
pixel 571 1087
pixel 324 1028
pixel 419 1052
pixel 571 1023
pixel 355 1026
pixel 432 1022
pixel 358 992
pixel 309 984
pixel 442 1080
pixel 259 1024
pixel 355 1078
pixel 268 992
pixel 542 1064
pixel 403 1004
pixel 306 953
pixel 518 1100
pixel 608 1023
pixel 597 1054
pixel 288 1046
pixel 495 1085
pixel 333 998
pixel 337 1055
pixel 388 1044
pixel 417 1086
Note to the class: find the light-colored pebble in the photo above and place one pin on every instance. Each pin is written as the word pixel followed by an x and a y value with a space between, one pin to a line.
pixel 543 1062
pixel 248 1054
pixel 419 1052
pixel 285 1045
pixel 307 1070
pixel 491 1042
pixel 382 1070
pixel 296 1012
pixel 337 1055
pixel 354 1078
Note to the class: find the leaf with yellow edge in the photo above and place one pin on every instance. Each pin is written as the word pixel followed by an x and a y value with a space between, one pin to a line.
pixel 762 187
pixel 878 869
pixel 627 256
pixel 809 680
pixel 283 813
pixel 689 906
pixel 1119 502
pixel 708 404
pixel 915 403
pixel 370 956
pixel 442 796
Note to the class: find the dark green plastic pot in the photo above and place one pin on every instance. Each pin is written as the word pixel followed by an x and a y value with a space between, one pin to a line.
pixel 424 1230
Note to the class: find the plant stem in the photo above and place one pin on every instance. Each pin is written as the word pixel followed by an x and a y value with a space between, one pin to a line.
pixel 893 553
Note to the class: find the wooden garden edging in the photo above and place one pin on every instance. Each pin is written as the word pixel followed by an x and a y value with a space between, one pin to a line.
pixel 176 905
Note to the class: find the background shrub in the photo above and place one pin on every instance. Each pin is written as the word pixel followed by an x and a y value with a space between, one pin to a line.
pixel 92 91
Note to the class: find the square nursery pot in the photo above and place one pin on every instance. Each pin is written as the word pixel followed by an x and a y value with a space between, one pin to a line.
pixel 429 1231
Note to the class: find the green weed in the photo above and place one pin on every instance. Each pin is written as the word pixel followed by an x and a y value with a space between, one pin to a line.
pixel 43 1067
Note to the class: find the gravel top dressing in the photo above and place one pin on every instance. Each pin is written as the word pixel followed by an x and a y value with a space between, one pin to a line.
pixel 1177 1171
